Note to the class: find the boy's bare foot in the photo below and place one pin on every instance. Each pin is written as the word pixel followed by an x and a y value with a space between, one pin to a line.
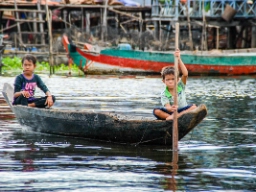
pixel 31 105
pixel 192 107
pixel 169 117
pixel 186 111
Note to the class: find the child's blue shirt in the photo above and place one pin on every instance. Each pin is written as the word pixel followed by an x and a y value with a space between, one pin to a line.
pixel 23 84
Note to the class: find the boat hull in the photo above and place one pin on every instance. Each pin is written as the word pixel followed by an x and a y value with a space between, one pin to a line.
pixel 197 63
pixel 103 126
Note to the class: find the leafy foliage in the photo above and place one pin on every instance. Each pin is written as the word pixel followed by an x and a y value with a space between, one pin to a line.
pixel 11 63
pixel 13 66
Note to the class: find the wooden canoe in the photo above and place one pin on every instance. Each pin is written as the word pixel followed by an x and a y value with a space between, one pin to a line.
pixel 102 126
pixel 215 62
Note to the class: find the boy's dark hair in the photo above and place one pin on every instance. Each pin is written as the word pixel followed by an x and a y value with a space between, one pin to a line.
pixel 29 58
pixel 168 71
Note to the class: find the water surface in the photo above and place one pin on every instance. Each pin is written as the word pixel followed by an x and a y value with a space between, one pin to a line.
pixel 218 155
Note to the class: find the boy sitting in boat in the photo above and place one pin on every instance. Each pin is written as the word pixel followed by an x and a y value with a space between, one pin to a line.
pixel 168 77
pixel 25 84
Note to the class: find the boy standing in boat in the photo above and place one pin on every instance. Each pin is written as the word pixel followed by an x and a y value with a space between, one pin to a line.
pixel 168 77
pixel 26 83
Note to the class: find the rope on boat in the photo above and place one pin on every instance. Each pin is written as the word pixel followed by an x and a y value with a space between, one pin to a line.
pixel 165 137
pixel 136 144
pixel 142 137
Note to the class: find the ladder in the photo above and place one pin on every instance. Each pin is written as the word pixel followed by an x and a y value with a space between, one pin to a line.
pixel 30 16
pixel 29 21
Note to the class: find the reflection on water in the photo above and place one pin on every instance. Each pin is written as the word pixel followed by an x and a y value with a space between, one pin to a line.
pixel 218 155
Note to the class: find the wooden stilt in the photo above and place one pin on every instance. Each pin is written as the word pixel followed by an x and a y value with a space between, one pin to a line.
pixel 87 22
pixel 75 32
pixel 65 18
pixel 41 26
pixel 160 32
pixel 1 49
pixel 248 37
pixel 156 30
pixel 140 32
pixel 204 33
pixel 18 23
pixel 1 20
pixel 217 38
pixel 189 29
pixel 239 38
pixel 49 21
pixel 82 19
pixel 253 37
pixel 35 27
pixel 243 38
pixel 168 35
pixel 117 21
pixel 15 42
pixel 104 22
pixel 29 26
pixel 143 17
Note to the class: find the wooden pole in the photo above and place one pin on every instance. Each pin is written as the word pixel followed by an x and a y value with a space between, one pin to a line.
pixel 204 33
pixel 175 134
pixel 18 23
pixel 41 25
pixel 217 39
pixel 65 12
pixel 175 167
pixel 189 29
pixel 253 38
pixel 126 14
pixel 1 43
pixel 35 27
pixel 1 20
pixel 104 23
pixel 12 26
pixel 87 15
pixel 15 41
pixel 49 20
pixel 82 19
pixel 244 37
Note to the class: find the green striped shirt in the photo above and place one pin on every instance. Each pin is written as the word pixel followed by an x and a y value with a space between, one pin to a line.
pixel 166 96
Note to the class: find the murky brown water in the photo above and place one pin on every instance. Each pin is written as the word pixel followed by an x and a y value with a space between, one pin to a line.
pixel 219 155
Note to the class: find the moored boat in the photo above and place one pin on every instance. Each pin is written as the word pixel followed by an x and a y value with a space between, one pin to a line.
pixel 215 62
pixel 103 126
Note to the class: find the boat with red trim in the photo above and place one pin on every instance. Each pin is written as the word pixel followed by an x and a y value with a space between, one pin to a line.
pixel 215 62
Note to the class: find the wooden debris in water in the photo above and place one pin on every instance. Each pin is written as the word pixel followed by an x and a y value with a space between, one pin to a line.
pixel 5 110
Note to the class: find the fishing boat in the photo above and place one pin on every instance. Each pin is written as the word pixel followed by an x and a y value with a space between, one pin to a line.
pixel 103 126
pixel 215 62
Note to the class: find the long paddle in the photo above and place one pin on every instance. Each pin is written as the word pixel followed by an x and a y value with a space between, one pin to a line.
pixel 175 134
